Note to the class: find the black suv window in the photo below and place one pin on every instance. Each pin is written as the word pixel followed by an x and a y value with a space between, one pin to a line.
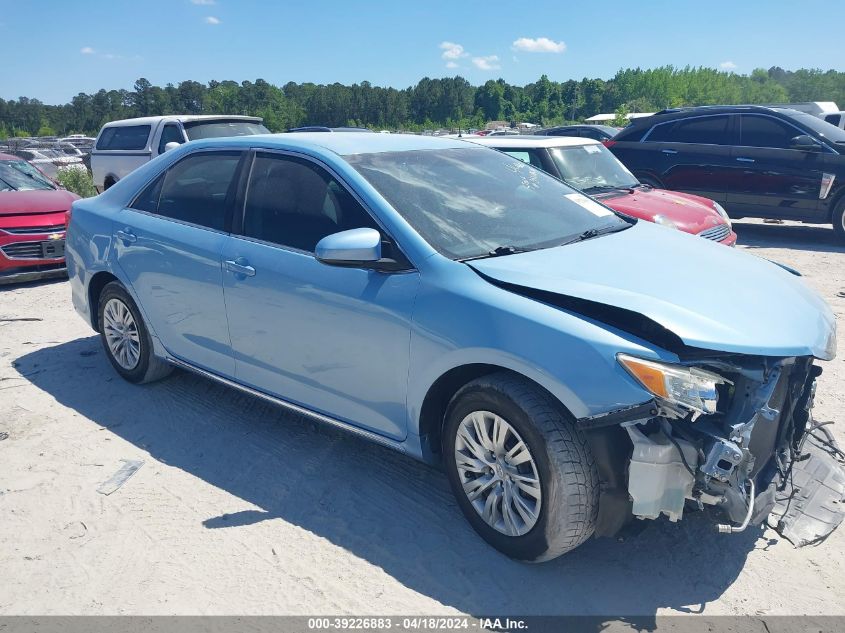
pixel 660 133
pixel 765 131
pixel 564 131
pixel 294 202
pixel 710 130
pixel 197 189
pixel 170 134
pixel 129 137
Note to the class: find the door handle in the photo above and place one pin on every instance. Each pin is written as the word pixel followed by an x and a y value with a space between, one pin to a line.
pixel 126 236
pixel 669 151
pixel 743 159
pixel 239 266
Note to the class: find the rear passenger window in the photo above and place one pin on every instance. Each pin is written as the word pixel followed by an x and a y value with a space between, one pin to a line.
pixel 660 133
pixel 197 189
pixel 708 130
pixel 293 202
pixel 764 131
pixel 130 137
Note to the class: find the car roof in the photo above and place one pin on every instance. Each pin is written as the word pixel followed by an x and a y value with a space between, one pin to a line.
pixel 183 118
pixel 532 141
pixel 342 143
pixel 670 114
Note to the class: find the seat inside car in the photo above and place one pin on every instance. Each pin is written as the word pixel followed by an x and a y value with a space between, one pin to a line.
pixel 286 204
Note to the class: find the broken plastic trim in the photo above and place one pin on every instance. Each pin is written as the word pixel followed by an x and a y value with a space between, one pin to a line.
pixel 618 416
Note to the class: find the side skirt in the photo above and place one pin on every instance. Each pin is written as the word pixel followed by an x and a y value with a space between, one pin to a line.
pixel 319 417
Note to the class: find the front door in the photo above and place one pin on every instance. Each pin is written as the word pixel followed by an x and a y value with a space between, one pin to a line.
pixel 169 242
pixel 771 179
pixel 332 339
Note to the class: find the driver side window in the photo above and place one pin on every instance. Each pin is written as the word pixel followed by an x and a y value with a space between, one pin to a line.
pixel 296 203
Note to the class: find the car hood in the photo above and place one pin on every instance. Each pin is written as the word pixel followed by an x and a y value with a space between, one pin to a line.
pixel 26 202
pixel 709 296
pixel 691 214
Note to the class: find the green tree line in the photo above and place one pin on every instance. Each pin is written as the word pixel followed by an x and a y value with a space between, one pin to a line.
pixel 432 103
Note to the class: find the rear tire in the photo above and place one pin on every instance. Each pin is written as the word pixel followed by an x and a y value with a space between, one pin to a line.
pixel 838 219
pixel 125 337
pixel 550 485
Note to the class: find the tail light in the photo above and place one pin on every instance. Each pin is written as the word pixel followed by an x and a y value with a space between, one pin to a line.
pixel 608 142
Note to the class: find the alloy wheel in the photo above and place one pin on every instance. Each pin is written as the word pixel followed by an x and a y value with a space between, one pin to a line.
pixel 121 333
pixel 498 473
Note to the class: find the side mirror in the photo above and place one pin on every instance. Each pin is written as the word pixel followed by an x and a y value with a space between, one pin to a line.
pixel 171 145
pixel 804 142
pixel 350 248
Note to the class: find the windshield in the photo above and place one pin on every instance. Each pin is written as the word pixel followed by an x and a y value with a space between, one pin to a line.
pixel 591 168
pixel 18 175
pixel 215 129
pixel 822 128
pixel 469 202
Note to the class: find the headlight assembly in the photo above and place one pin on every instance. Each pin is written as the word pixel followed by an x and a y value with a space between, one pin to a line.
pixel 721 211
pixel 691 388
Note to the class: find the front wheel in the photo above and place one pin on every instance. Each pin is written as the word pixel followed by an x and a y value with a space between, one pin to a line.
pixel 839 219
pixel 523 474
pixel 125 337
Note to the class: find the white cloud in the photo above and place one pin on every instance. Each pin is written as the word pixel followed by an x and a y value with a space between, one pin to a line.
pixel 87 50
pixel 727 65
pixel 203 2
pixel 212 20
pixel 452 65
pixel 452 51
pixel 538 45
pixel 487 62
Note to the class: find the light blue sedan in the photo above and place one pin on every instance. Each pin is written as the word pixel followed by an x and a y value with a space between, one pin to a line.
pixel 570 368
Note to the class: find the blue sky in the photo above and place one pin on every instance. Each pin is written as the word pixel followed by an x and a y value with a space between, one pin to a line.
pixel 53 49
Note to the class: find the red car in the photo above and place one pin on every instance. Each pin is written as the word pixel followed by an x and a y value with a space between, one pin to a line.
pixel 32 222
pixel 589 166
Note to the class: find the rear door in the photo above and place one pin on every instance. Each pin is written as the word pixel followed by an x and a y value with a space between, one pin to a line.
pixel 695 154
pixel 771 179
pixel 169 243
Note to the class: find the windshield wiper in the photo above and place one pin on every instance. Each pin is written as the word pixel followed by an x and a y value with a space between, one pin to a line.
pixel 599 189
pixel 591 233
pixel 499 251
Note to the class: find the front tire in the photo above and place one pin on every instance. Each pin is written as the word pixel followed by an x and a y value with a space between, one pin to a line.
pixel 125 337
pixel 839 220
pixel 522 473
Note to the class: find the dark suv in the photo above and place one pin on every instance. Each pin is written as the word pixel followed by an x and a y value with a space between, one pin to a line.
pixel 753 160
pixel 595 132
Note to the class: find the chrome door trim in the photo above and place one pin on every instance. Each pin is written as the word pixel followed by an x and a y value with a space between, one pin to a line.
pixel 320 417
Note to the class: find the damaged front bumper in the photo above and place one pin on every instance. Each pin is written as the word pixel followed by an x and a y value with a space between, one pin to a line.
pixel 759 457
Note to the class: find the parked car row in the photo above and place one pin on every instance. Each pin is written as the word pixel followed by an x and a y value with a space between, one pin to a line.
pixel 570 367
pixel 754 161
pixel 588 166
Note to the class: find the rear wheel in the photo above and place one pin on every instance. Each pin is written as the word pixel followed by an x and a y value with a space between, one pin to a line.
pixel 125 337
pixel 839 219
pixel 523 474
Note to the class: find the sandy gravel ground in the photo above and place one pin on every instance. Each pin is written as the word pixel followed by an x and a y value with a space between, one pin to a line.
pixel 242 509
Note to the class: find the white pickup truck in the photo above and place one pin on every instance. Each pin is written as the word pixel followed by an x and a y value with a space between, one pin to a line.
pixel 125 145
